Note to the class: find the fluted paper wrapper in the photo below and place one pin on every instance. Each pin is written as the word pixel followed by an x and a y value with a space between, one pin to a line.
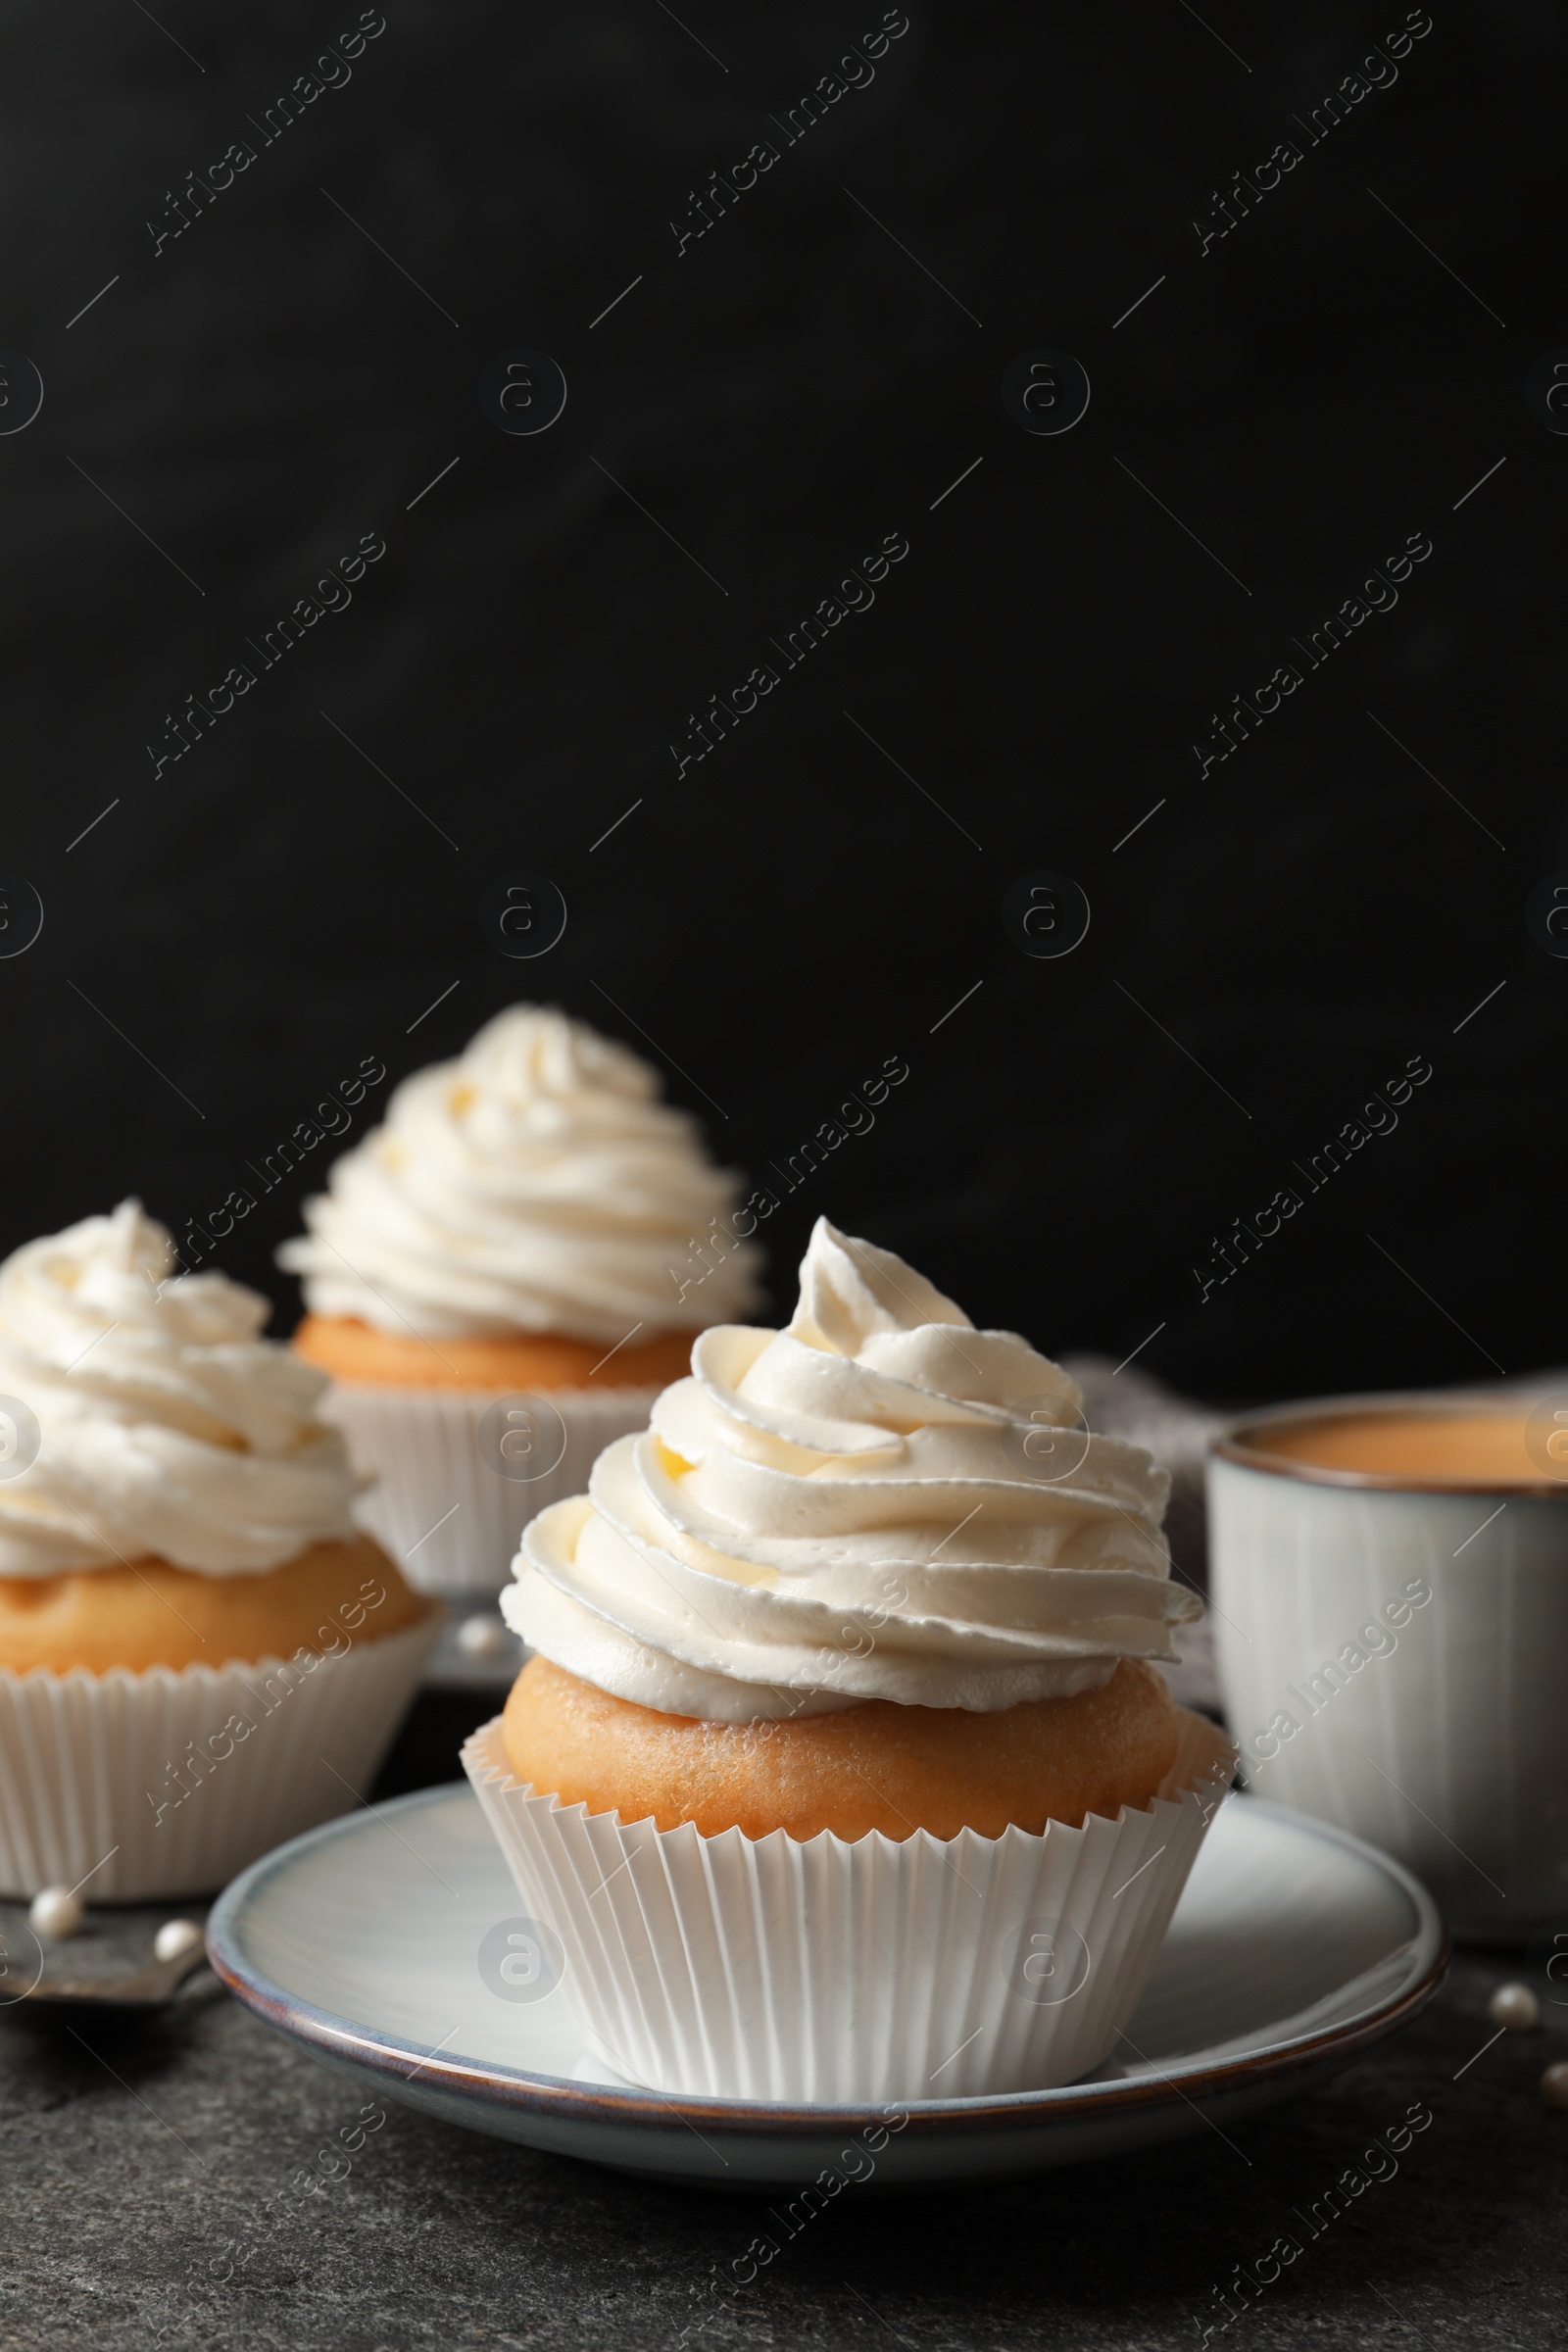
pixel 422 1448
pixel 827 1973
pixel 86 1762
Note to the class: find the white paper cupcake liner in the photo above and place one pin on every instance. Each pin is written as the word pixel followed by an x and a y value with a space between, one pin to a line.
pixel 147 1782
pixel 440 1505
pixel 838 1973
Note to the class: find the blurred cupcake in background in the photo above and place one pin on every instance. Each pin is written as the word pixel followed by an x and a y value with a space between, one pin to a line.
pixel 502 1277
pixel 200 1654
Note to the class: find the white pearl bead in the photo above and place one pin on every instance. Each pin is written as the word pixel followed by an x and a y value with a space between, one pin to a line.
pixel 481 1637
pixel 1554 2085
pixel 55 1913
pixel 174 1937
pixel 1514 2006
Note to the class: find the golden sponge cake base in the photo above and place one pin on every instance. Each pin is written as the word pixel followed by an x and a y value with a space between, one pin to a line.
pixel 526 1361
pixel 875 1765
pixel 151 1613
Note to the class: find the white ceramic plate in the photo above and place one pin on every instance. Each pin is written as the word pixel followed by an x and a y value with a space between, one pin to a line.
pixel 1294 1947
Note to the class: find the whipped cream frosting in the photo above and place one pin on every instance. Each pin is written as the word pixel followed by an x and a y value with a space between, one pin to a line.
pixel 535 1184
pixel 167 1427
pixel 880 1501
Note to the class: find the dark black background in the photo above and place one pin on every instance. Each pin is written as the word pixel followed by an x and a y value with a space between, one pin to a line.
pixel 792 388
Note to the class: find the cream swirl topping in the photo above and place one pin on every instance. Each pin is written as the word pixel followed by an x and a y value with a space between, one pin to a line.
pixel 880 1501
pixel 166 1425
pixel 535 1184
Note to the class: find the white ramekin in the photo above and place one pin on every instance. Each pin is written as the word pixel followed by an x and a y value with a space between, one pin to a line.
pixel 1393 1659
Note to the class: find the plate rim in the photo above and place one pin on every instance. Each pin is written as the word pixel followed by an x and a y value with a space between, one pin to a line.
pixel 554 2096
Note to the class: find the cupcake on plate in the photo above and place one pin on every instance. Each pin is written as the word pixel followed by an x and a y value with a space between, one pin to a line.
pixel 200 1654
pixel 500 1278
pixel 842 1771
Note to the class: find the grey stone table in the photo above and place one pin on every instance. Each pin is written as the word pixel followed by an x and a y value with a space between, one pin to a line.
pixel 139 2162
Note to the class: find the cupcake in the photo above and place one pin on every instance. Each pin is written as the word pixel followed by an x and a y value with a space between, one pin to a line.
pixel 843 1770
pixel 200 1654
pixel 502 1277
